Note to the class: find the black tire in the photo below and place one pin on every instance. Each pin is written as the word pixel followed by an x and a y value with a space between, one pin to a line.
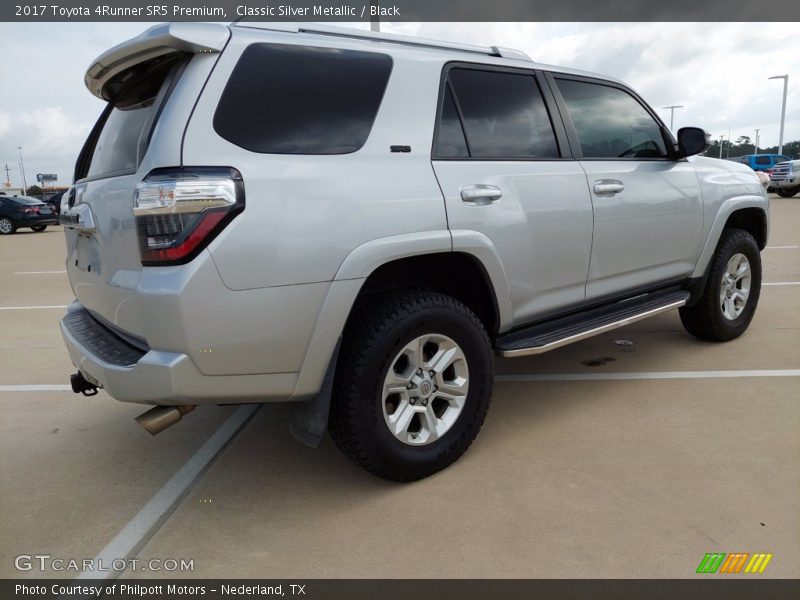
pixel 375 335
pixel 705 318
pixel 7 226
pixel 39 228
pixel 787 192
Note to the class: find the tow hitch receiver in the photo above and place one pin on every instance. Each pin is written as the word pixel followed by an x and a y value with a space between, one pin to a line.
pixel 81 386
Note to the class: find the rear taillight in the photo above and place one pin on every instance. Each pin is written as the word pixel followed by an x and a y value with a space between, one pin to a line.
pixel 34 210
pixel 179 211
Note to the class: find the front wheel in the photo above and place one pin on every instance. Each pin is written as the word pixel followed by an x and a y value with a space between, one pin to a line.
pixel 39 228
pixel 7 226
pixel 788 192
pixel 731 292
pixel 413 385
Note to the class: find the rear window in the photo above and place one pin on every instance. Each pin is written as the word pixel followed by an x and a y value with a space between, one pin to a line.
pixel 287 99
pixel 121 136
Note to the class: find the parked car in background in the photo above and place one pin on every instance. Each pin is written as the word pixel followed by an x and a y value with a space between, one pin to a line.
pixel 761 162
pixel 785 178
pixel 55 202
pixel 24 211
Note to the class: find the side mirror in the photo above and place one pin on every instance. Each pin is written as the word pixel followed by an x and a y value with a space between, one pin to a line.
pixel 692 140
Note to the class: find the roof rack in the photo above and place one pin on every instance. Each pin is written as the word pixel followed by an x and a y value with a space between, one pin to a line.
pixel 360 34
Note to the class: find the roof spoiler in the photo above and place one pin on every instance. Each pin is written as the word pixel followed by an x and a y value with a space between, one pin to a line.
pixel 156 41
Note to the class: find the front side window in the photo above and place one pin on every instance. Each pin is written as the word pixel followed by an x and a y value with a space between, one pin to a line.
pixel 610 123
pixel 504 115
pixel 287 99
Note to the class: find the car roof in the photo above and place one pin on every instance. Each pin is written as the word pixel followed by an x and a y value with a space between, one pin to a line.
pixel 398 44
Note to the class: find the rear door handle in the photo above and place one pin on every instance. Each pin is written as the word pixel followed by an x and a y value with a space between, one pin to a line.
pixel 605 187
pixel 480 194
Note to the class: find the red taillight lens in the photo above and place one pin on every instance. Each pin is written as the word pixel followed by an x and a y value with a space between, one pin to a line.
pixel 179 211
pixel 34 210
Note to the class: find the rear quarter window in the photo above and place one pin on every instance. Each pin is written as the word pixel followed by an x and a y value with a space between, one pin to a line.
pixel 288 99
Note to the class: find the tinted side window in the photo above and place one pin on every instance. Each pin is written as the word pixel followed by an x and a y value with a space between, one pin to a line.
pixel 450 141
pixel 763 160
pixel 611 123
pixel 285 99
pixel 504 115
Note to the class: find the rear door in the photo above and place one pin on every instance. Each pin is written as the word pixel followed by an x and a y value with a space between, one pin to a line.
pixel 502 161
pixel 103 260
pixel 648 215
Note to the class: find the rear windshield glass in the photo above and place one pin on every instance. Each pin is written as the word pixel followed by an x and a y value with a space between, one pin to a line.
pixel 26 200
pixel 286 99
pixel 119 141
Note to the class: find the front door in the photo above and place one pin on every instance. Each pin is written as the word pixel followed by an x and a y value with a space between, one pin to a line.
pixel 648 215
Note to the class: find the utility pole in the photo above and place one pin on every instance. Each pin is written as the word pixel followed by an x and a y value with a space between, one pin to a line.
pixel 8 179
pixel 22 169
pixel 783 108
pixel 722 137
pixel 755 149
pixel 671 110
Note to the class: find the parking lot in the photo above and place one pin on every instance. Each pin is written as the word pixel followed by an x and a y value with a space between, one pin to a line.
pixel 631 454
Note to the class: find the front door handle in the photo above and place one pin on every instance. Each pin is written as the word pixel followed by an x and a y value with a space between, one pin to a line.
pixel 480 194
pixel 608 186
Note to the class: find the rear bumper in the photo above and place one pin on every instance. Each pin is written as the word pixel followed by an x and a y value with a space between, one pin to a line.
pixel 151 376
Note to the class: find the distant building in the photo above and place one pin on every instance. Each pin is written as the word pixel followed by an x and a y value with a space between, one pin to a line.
pixel 11 191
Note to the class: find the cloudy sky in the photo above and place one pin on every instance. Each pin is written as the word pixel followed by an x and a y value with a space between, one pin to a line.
pixel 717 71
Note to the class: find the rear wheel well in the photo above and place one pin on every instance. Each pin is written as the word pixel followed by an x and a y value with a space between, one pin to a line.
pixel 455 274
pixel 752 220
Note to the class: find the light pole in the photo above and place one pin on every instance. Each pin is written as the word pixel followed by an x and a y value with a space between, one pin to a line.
pixel 755 144
pixel 722 137
pixel 671 110
pixel 783 108
pixel 22 169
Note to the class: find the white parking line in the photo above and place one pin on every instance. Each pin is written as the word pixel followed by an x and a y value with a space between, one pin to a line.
pixel 35 388
pixel 650 375
pixel 780 247
pixel 127 543
pixel 33 307
pixel 37 272
pixel 782 283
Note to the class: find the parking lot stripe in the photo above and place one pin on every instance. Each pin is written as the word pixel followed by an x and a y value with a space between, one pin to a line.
pixel 127 543
pixel 35 388
pixel 37 272
pixel 32 307
pixel 780 247
pixel 650 375
pixel 782 283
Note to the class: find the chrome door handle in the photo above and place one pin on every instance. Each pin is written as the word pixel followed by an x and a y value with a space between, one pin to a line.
pixel 608 186
pixel 480 194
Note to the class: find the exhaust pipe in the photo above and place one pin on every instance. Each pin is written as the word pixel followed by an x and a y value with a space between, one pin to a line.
pixel 157 419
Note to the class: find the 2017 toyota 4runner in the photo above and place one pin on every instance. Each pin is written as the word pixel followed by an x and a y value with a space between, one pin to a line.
pixel 357 222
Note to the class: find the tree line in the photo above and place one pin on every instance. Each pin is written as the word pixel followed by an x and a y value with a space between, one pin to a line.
pixel 743 145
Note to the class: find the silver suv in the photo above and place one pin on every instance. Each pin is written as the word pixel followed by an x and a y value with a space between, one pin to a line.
pixel 356 223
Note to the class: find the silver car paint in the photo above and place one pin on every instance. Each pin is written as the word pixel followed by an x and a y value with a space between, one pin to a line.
pixel 256 316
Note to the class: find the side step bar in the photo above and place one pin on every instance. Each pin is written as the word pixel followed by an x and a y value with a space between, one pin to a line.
pixel 549 335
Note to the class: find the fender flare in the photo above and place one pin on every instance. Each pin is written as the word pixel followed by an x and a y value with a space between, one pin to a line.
pixel 726 209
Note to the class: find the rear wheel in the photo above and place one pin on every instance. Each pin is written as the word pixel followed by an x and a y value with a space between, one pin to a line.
pixel 788 192
pixel 39 228
pixel 413 385
pixel 7 226
pixel 732 289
